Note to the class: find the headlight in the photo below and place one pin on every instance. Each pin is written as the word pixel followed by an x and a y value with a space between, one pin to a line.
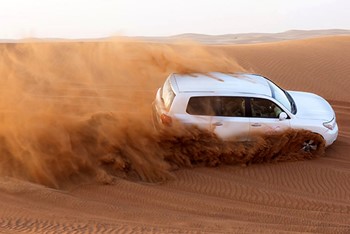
pixel 330 124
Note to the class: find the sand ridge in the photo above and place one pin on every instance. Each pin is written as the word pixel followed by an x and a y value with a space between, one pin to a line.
pixel 47 80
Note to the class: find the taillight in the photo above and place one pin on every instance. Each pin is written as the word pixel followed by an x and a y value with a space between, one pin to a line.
pixel 166 119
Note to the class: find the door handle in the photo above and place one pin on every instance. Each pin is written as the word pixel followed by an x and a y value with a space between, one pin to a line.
pixel 256 125
pixel 217 124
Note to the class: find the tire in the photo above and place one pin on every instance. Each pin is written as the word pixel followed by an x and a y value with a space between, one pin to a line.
pixel 309 145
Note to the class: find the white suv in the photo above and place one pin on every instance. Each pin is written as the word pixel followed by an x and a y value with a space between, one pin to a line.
pixel 238 105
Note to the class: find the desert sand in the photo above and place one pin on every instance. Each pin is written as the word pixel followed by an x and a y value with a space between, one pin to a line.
pixel 78 153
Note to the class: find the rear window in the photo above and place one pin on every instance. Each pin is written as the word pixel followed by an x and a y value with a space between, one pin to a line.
pixel 168 94
pixel 216 106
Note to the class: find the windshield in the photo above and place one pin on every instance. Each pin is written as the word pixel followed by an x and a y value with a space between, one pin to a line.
pixel 280 95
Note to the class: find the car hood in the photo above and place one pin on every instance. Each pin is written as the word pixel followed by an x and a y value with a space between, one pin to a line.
pixel 312 106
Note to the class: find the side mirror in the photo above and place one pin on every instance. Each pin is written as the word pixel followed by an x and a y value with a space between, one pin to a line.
pixel 283 116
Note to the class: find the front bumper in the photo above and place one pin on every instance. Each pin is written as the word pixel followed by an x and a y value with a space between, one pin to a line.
pixel 331 135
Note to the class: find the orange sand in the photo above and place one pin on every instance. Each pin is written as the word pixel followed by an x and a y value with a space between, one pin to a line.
pixel 66 107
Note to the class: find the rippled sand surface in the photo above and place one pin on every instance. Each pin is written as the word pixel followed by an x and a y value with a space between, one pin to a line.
pixel 78 152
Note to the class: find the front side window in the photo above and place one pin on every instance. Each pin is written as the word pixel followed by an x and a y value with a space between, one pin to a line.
pixel 216 106
pixel 264 108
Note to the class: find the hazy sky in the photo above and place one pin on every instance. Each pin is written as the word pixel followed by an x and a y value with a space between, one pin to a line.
pixel 100 18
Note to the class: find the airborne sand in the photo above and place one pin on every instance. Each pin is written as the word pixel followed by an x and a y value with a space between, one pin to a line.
pixel 65 107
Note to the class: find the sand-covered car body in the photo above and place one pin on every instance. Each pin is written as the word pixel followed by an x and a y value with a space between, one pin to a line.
pixel 239 105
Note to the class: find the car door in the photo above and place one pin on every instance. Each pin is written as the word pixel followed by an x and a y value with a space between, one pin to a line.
pixel 223 115
pixel 264 117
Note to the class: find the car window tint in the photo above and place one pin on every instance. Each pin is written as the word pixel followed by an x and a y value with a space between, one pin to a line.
pixel 264 108
pixel 216 106
pixel 233 106
pixel 202 106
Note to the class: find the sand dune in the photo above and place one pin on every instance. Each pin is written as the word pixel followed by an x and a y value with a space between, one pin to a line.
pixel 66 106
pixel 248 38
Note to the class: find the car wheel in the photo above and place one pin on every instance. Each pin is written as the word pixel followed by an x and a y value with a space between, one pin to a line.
pixel 309 146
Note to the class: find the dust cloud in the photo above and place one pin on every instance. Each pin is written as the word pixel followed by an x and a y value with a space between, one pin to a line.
pixel 80 111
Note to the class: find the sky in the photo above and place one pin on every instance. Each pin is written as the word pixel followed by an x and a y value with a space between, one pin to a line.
pixel 103 18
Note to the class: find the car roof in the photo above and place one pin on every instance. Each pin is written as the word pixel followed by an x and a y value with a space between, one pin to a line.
pixel 218 82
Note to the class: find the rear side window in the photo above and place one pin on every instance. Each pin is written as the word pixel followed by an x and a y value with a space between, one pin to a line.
pixel 216 106
pixel 168 94
pixel 203 106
